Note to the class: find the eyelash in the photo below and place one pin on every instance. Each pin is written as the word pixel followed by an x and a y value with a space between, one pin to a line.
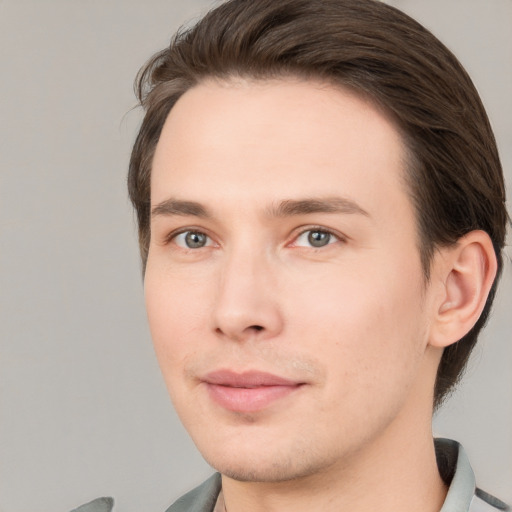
pixel 318 229
pixel 175 234
pixel 311 229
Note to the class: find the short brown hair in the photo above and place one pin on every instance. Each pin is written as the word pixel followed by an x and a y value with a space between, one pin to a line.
pixel 454 174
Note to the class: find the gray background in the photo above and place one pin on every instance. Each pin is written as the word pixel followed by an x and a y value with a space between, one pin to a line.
pixel 84 412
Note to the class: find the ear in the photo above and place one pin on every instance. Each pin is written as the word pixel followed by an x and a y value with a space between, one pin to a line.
pixel 465 273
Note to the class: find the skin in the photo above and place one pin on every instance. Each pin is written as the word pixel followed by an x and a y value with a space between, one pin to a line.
pixel 351 323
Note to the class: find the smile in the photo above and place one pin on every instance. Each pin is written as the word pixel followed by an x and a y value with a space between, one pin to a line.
pixel 248 392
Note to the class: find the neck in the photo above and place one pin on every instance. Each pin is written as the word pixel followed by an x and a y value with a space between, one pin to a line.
pixel 388 480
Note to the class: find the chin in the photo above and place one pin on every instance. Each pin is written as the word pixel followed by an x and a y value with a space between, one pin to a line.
pixel 281 471
pixel 264 464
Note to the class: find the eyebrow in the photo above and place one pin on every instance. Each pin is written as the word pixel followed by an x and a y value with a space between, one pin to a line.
pixel 293 207
pixel 286 208
pixel 172 206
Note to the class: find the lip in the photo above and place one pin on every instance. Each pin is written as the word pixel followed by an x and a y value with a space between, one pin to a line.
pixel 249 391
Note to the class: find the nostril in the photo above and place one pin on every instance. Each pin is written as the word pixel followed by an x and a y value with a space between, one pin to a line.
pixel 256 327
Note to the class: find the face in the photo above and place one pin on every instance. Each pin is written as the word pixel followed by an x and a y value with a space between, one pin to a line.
pixel 284 287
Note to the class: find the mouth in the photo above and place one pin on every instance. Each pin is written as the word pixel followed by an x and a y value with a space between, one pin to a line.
pixel 248 392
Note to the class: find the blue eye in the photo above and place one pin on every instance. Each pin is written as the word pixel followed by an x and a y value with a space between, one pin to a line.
pixel 192 240
pixel 315 238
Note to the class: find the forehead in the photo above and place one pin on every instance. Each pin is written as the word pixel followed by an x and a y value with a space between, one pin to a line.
pixel 276 138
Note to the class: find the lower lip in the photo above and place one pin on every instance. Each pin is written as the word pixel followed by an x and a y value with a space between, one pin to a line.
pixel 248 400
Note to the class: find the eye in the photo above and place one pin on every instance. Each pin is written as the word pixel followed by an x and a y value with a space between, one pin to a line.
pixel 192 240
pixel 315 238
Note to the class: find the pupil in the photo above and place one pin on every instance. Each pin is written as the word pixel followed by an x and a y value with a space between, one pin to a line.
pixel 195 240
pixel 318 238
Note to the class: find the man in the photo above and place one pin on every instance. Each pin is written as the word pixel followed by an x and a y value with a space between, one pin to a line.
pixel 321 215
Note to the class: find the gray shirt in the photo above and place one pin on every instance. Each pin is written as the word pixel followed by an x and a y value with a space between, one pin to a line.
pixel 454 466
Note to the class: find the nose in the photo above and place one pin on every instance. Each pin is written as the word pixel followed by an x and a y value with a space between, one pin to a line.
pixel 247 299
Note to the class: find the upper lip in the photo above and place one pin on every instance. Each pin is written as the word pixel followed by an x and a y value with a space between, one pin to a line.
pixel 247 379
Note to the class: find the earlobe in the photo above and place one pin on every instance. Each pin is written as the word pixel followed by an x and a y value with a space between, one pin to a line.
pixel 468 271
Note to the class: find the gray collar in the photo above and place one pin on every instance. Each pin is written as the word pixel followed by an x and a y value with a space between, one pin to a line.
pixel 453 463
pixel 456 470
pixel 463 495
pixel 454 467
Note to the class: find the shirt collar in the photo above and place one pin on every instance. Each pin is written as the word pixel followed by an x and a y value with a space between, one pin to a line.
pixel 456 470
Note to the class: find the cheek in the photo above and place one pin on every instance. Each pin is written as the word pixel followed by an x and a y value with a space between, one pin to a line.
pixel 362 323
pixel 176 310
pixel 366 296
